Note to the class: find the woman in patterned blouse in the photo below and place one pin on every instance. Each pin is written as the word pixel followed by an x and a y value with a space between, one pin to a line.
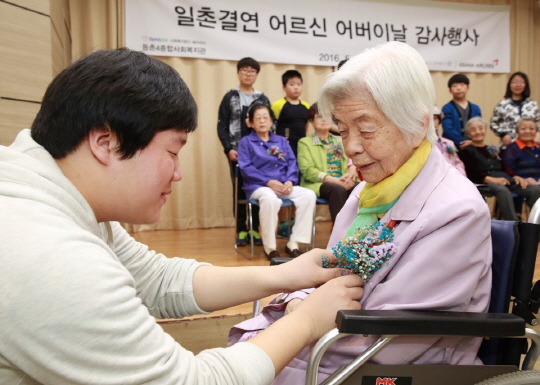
pixel 515 105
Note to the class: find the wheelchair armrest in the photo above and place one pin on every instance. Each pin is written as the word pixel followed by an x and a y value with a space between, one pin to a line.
pixel 418 323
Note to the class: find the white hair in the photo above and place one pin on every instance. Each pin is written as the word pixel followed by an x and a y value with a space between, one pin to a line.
pixel 526 119
pixel 397 78
pixel 474 120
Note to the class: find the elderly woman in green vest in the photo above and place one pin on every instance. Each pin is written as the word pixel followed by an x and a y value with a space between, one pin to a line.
pixel 323 165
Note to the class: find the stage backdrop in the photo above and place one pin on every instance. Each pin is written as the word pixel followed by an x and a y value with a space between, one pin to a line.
pixel 464 38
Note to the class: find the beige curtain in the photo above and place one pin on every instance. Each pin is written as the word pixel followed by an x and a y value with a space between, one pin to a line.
pixel 204 197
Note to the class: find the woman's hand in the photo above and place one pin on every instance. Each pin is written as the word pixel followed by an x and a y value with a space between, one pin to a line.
pixel 506 140
pixel 520 181
pixel 349 179
pixel 306 271
pixel 499 181
pixel 334 180
pixel 288 186
pixel 276 186
pixel 531 181
pixel 465 143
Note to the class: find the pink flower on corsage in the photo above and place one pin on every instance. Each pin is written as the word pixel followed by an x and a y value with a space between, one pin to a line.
pixel 493 151
pixel 275 151
pixel 365 252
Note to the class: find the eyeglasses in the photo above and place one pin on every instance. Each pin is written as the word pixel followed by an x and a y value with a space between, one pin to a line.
pixel 517 83
pixel 262 118
pixel 246 71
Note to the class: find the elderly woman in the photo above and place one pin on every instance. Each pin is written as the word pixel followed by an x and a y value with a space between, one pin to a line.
pixel 270 173
pixel 484 166
pixel 383 102
pixel 515 105
pixel 523 155
pixel 446 146
pixel 323 164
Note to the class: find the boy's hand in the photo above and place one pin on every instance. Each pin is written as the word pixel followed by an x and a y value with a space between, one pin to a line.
pixel 233 155
pixel 506 140
pixel 318 311
pixel 306 271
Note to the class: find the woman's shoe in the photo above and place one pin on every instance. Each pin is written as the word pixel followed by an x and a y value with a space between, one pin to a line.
pixel 292 253
pixel 272 254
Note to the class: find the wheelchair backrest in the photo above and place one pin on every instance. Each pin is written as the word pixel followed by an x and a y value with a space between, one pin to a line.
pixel 515 245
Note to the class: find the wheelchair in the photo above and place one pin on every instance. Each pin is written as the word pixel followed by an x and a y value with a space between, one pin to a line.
pixel 514 303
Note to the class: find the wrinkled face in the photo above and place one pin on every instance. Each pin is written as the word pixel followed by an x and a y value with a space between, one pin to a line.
pixel 527 130
pixel 262 121
pixel 247 76
pixel 477 132
pixel 147 177
pixel 320 125
pixel 459 90
pixel 517 85
pixel 293 88
pixel 376 145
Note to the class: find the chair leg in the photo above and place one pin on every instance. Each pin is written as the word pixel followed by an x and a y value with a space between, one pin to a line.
pixel 250 215
pixel 256 307
pixel 289 214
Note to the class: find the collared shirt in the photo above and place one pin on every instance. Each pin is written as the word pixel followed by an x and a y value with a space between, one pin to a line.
pixel 522 159
pixel 334 154
pixel 261 162
pixel 521 144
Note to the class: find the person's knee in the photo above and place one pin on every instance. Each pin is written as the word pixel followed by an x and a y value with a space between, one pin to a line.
pixel 272 202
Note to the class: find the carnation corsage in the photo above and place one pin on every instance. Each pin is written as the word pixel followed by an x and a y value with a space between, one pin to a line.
pixel 277 152
pixel 366 251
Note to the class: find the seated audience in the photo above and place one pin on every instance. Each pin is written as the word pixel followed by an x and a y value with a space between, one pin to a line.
pixel 523 155
pixel 446 146
pixel 270 173
pixel 484 166
pixel 385 122
pixel 324 165
pixel 515 105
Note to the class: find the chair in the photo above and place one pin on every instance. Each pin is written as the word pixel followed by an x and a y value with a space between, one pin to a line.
pixel 320 201
pixel 519 201
pixel 250 203
pixel 515 246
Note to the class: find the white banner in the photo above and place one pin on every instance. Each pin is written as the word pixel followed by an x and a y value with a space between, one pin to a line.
pixel 450 37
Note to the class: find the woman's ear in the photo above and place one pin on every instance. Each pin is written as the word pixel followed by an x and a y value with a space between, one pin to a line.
pixel 418 139
pixel 103 144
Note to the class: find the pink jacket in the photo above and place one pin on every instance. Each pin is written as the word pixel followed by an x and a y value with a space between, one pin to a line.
pixel 442 262
pixel 449 153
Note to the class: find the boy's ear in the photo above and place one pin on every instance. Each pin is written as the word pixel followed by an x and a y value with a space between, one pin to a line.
pixel 103 144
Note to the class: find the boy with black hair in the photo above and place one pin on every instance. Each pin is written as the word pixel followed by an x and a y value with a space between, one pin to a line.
pixel 79 294
pixel 232 127
pixel 292 123
pixel 458 111
pixel 291 112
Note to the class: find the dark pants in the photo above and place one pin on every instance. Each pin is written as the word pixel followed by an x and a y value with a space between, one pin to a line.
pixel 336 196
pixel 241 209
pixel 505 202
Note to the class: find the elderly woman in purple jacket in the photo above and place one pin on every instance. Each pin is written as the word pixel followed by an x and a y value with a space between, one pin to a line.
pixel 270 173
pixel 382 101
